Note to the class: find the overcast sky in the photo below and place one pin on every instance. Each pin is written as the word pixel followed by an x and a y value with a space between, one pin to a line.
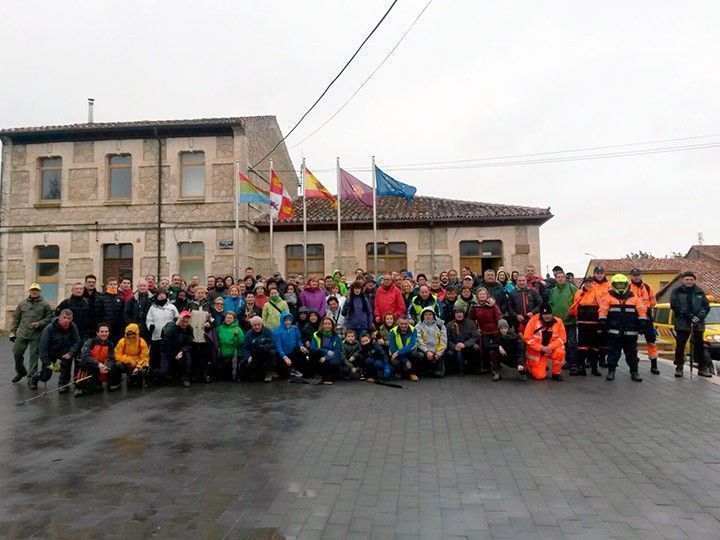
pixel 473 79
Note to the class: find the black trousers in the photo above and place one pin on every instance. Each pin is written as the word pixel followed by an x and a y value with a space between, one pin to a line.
pixel 626 344
pixel 169 365
pixel 697 352
pixel 263 361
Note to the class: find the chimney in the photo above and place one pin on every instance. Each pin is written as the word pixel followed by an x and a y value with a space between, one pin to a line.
pixel 91 105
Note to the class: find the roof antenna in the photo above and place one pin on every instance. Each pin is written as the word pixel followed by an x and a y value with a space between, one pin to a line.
pixel 91 106
pixel 701 239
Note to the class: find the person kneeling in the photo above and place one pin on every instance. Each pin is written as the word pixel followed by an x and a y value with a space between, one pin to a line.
pixel 325 351
pixel 432 343
pixel 290 347
pixel 509 352
pixel 352 368
pixel 96 361
pixel 545 338
pixel 132 356
pixel 403 341
pixel 260 357
pixel 176 347
pixel 374 359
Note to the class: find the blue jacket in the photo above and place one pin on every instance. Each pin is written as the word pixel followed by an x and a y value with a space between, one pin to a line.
pixel 236 305
pixel 402 344
pixel 286 339
pixel 358 312
pixel 257 341
pixel 316 345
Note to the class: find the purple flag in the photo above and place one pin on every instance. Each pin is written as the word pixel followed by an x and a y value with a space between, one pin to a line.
pixel 352 188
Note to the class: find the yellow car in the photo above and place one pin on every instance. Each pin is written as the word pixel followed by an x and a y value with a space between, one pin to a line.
pixel 663 322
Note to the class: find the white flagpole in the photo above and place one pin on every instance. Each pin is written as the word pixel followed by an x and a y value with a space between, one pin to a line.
pixel 339 234
pixel 374 189
pixel 272 218
pixel 236 232
pixel 302 179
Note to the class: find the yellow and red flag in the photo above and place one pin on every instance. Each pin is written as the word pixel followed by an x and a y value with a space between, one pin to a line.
pixel 280 202
pixel 315 190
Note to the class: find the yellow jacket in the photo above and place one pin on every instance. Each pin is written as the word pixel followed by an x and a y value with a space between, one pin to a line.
pixel 134 351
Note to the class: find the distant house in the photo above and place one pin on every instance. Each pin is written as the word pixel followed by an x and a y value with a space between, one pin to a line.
pixel 656 272
pixel 664 274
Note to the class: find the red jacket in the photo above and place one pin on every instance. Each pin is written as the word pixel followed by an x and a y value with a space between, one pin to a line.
pixel 388 301
pixel 486 317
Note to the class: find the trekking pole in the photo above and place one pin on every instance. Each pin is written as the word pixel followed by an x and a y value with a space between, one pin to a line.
pixel 692 344
pixel 47 392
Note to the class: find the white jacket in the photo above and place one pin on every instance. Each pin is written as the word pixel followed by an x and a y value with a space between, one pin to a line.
pixel 159 316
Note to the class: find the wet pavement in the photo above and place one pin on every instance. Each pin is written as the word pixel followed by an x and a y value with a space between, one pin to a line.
pixel 457 458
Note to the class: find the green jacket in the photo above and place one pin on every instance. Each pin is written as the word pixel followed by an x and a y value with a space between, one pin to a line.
pixel 230 343
pixel 27 312
pixel 271 312
pixel 561 299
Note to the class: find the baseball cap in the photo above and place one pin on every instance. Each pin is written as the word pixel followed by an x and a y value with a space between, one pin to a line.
pixel 635 272
pixel 598 268
pixel 184 314
pixel 35 286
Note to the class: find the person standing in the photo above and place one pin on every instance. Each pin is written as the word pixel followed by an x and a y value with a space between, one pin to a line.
pixel 523 303
pixel 161 312
pixel 82 313
pixel 601 288
pixel 690 307
pixel 645 294
pixel 136 308
pixel 388 299
pixel 585 309
pixel 561 299
pixel 110 308
pixel 176 348
pixel 624 316
pixel 30 317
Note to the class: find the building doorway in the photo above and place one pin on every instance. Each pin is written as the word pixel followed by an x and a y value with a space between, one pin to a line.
pixel 117 262
pixel 480 256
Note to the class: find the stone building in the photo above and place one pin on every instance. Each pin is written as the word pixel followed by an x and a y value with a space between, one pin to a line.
pixel 157 197
pixel 428 235
pixel 127 198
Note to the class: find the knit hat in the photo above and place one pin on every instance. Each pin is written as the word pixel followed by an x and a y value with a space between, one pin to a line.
pixel 545 309
pixel 502 323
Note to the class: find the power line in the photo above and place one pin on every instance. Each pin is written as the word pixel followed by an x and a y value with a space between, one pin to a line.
pixel 389 54
pixel 560 159
pixel 327 88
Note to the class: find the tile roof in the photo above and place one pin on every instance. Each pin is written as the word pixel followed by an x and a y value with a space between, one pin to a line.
pixel 140 124
pixel 396 209
pixel 708 277
pixel 672 265
pixel 713 252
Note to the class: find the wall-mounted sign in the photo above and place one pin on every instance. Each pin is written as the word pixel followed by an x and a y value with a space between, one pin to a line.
pixel 225 244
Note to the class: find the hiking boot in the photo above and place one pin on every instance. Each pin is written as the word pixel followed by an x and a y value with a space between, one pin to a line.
pixel 63 390
pixel 79 392
pixel 654 366
pixel 413 377
pixel 113 387
pixel 438 374
pixel 274 375
pixel 557 378
pixel 610 375
pixel 186 383
pixel 704 373
pixel 296 374
pixel 370 380
pixel 679 371
pixel 595 371
pixel 268 378
pixel 327 382
pixel 635 376
pixel 580 373
pixel 497 376
pixel 32 385
pixel 17 378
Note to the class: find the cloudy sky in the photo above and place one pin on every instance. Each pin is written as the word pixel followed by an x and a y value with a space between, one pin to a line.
pixel 473 79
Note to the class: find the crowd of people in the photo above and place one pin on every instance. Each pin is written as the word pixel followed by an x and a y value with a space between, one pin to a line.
pixel 320 330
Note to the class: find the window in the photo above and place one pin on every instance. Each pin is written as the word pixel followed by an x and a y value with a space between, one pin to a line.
pixel 662 315
pixel 192 260
pixel 294 263
pixel 391 257
pixel 192 172
pixel 47 271
pixel 479 256
pixel 120 185
pixel 50 175
pixel 663 284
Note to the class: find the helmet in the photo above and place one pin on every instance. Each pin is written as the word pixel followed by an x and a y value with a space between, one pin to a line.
pixel 620 283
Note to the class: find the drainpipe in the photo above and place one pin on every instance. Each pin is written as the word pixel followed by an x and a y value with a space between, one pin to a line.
pixel 432 249
pixel 159 202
